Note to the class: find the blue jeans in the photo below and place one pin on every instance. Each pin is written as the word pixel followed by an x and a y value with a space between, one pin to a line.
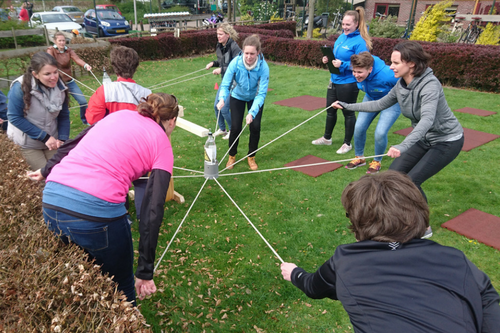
pixel 225 114
pixel 387 119
pixel 76 92
pixel 108 243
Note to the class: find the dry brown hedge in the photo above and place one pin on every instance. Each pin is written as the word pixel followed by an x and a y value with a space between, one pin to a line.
pixel 46 286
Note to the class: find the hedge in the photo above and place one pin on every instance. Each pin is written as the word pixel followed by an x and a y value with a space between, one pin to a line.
pixel 47 286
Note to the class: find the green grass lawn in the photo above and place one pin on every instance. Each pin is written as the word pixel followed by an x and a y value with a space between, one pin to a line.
pixel 219 275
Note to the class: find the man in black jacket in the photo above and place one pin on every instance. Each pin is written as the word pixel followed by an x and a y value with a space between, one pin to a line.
pixel 393 281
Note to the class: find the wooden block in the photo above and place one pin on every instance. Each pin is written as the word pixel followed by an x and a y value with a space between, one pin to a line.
pixel 192 127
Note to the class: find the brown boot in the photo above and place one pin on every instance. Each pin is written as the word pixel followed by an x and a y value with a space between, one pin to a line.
pixel 251 163
pixel 230 162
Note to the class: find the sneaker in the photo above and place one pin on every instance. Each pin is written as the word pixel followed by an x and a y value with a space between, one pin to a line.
pixel 251 163
pixel 230 162
pixel 219 132
pixel 344 149
pixel 226 137
pixel 356 162
pixel 322 142
pixel 374 167
pixel 428 233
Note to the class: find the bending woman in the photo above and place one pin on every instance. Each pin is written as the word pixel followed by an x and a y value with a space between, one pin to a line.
pixel 376 79
pixel 63 55
pixel 88 181
pixel 437 136
pixel 38 111
pixel 354 40
pixel 226 50
pixel 251 74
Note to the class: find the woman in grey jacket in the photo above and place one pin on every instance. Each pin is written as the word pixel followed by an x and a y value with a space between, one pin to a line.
pixel 437 136
pixel 226 50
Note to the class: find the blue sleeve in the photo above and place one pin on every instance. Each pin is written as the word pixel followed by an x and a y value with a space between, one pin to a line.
pixel 358 48
pixel 63 123
pixel 3 106
pixel 226 81
pixel 15 114
pixel 258 102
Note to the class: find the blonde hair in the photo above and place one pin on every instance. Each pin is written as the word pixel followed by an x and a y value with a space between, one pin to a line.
pixel 358 16
pixel 159 107
pixel 228 29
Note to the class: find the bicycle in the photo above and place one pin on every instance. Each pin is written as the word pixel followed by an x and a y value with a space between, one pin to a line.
pixel 472 32
pixel 337 20
pixel 407 33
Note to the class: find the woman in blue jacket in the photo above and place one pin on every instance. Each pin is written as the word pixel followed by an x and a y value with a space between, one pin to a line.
pixel 376 79
pixel 354 40
pixel 38 111
pixel 250 73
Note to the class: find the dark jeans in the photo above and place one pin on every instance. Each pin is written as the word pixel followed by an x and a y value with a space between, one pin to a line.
pixel 422 160
pixel 238 115
pixel 345 93
pixel 109 243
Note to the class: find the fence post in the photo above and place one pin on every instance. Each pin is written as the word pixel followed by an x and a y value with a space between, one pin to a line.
pixel 46 35
pixel 14 35
pixel 142 26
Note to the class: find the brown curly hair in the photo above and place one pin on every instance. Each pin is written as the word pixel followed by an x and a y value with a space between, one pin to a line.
pixel 124 61
pixel 38 61
pixel 159 107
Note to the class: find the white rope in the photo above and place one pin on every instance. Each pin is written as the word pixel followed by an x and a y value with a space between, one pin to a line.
pixel 184 169
pixel 236 140
pixel 267 144
pixel 73 93
pixel 180 225
pixel 158 84
pixel 296 166
pixel 83 84
pixel 196 77
pixel 190 176
pixel 257 230
pixel 74 107
pixel 1 78
pixel 95 77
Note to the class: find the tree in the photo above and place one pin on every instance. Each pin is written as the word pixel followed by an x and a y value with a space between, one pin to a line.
pixel 310 26
pixel 431 23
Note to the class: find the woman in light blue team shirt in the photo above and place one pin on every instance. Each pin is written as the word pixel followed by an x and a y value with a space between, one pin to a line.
pixel 354 40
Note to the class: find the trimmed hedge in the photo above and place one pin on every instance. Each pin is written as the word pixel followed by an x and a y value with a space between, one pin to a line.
pixel 457 65
pixel 265 32
pixel 46 285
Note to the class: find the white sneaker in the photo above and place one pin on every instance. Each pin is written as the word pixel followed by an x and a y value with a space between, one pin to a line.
pixel 219 132
pixel 322 142
pixel 344 149
pixel 226 137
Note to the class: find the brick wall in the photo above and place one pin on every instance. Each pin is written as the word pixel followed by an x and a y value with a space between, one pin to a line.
pixel 464 7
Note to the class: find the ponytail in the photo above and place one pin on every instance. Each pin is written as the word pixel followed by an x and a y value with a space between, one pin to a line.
pixel 358 16
pixel 159 107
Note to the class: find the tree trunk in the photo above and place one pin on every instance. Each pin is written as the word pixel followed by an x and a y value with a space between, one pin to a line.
pixel 310 26
pixel 229 10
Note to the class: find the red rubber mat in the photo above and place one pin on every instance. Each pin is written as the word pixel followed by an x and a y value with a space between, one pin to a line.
pixel 477 112
pixel 313 171
pixel 478 225
pixel 306 102
pixel 473 139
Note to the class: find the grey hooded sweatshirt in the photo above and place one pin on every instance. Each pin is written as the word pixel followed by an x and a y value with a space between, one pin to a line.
pixel 422 102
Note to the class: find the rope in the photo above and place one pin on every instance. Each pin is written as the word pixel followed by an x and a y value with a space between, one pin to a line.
pixel 6 80
pixel 83 84
pixel 296 166
pixel 100 84
pixel 180 225
pixel 72 93
pixel 237 138
pixel 267 144
pixel 257 230
pixel 196 77
pixel 74 107
pixel 158 84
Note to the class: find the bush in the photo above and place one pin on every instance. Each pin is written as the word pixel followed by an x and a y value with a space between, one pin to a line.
pixel 47 286
pixel 431 23
pixel 25 41
pixel 245 18
pixel 490 35
pixel 385 28
pixel 273 33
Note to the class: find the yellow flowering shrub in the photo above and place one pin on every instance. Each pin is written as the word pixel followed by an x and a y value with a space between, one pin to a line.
pixel 432 22
pixel 490 35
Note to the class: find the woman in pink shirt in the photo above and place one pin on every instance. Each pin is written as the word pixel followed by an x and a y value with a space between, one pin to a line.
pixel 88 181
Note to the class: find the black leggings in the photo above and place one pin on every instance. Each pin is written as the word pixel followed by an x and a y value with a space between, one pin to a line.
pixel 238 115
pixel 345 93
pixel 422 160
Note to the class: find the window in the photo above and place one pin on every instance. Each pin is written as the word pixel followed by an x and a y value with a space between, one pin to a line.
pixel 386 9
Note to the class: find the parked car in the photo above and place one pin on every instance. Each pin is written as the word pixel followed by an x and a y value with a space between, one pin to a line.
pixel 72 11
pixel 109 23
pixel 109 7
pixel 53 20
pixel 193 5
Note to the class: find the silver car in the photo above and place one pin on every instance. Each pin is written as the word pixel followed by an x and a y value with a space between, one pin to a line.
pixel 72 11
